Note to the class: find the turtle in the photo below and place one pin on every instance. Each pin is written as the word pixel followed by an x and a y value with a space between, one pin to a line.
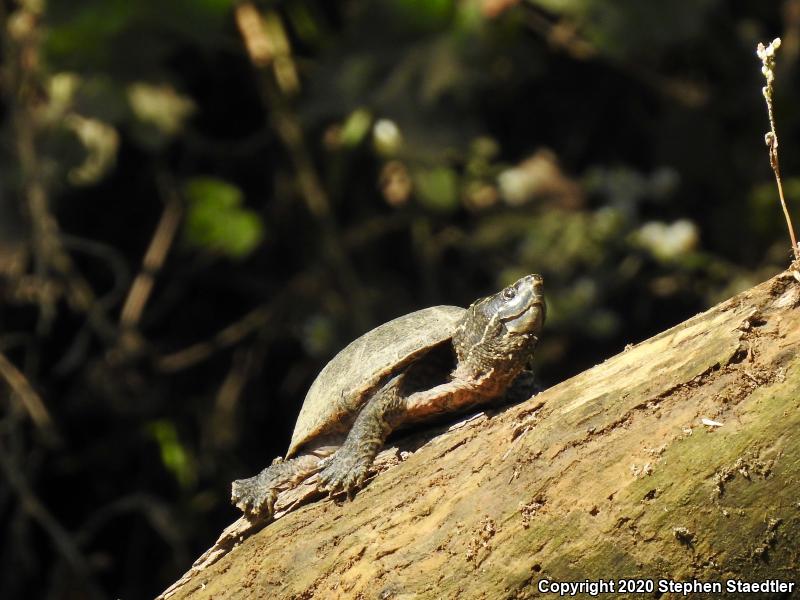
pixel 425 364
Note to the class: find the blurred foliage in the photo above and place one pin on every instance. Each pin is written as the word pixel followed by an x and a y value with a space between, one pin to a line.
pixel 216 221
pixel 173 454
pixel 628 27
pixel 202 201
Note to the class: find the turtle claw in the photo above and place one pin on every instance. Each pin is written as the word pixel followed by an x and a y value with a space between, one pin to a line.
pixel 254 496
pixel 344 472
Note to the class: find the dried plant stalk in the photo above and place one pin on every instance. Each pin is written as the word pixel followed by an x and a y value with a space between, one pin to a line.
pixel 767 56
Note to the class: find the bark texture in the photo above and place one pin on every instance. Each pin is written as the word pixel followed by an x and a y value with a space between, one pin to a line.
pixel 612 473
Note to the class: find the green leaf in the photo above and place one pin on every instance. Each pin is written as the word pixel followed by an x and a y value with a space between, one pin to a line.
pixel 216 220
pixel 173 455
pixel 437 188
pixel 355 127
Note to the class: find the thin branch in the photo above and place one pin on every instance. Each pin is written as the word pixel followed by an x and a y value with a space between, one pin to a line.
pixel 153 261
pixel 225 338
pixel 61 538
pixel 767 56
pixel 259 36
pixel 24 75
pixel 31 401
pixel 155 511
pixel 564 35
pixel 242 365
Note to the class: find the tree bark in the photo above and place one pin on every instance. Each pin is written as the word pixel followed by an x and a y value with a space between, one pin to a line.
pixel 676 460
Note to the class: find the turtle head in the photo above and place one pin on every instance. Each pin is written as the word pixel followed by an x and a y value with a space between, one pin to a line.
pixel 501 331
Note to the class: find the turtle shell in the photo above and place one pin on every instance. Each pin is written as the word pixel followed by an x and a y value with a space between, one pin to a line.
pixel 343 385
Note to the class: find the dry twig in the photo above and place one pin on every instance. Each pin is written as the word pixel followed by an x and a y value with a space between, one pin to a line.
pixel 767 56
pixel 30 400
pixel 62 540
pixel 23 73
pixel 153 261
pixel 229 336
pixel 259 35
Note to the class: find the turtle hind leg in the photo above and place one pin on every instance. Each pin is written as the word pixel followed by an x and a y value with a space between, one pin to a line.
pixel 256 496
pixel 345 470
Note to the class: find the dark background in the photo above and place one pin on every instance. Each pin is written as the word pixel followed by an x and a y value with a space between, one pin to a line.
pixel 380 157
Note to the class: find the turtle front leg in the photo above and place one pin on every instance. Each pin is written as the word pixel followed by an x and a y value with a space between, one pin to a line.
pixel 345 470
pixel 256 496
pixel 523 388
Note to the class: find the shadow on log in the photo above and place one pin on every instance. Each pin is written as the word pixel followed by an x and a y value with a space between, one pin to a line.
pixel 677 459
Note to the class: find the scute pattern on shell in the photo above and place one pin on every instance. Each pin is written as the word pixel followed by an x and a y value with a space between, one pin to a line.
pixel 340 388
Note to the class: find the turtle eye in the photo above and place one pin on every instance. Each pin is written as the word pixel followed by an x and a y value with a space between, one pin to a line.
pixel 509 293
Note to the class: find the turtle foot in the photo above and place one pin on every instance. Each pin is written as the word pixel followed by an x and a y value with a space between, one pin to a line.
pixel 344 471
pixel 255 496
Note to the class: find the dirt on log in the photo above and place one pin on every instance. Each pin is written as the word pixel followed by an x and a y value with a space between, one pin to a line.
pixel 678 459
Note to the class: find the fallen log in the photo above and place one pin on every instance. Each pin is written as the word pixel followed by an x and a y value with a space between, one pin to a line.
pixel 676 462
